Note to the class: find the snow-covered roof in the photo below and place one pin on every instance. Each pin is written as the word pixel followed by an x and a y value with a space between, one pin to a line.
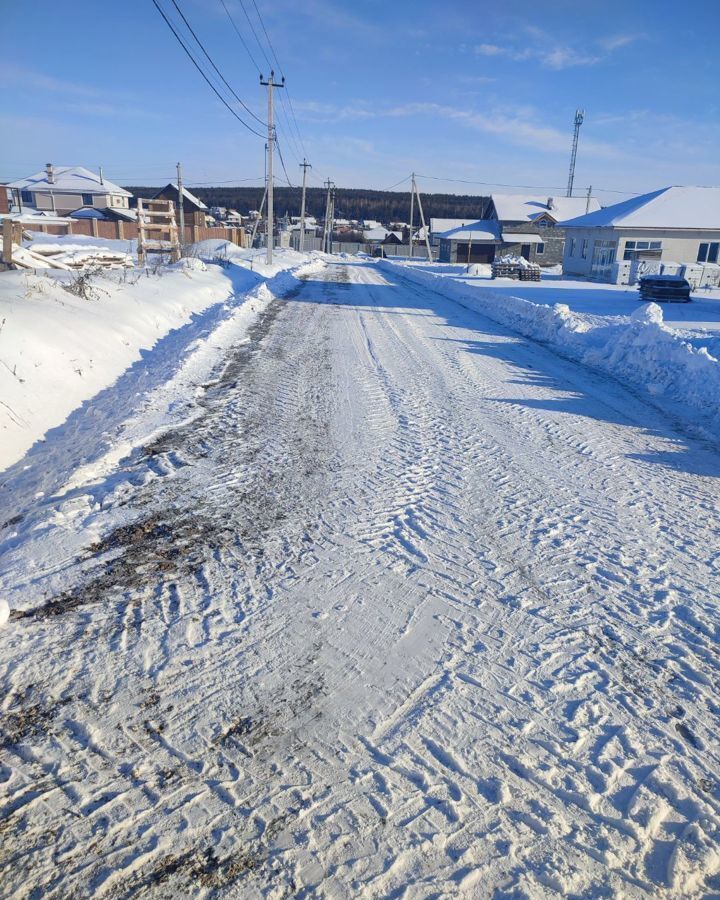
pixel 186 194
pixel 482 230
pixel 670 207
pixel 70 180
pixel 375 234
pixel 524 208
pixel 519 237
pixel 440 225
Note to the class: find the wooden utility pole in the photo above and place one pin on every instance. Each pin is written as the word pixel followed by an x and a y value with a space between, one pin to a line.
pixel 304 165
pixel 181 205
pixel 587 201
pixel 270 84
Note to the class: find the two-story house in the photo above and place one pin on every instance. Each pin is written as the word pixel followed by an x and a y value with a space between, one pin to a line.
pixel 63 189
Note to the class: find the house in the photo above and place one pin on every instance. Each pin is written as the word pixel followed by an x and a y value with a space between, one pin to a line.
pixel 673 225
pixel 473 243
pixel 529 224
pixel 194 209
pixel 439 227
pixel 63 189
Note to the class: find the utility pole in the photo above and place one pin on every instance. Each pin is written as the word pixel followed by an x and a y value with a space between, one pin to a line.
pixel 587 202
pixel 412 213
pixel 181 205
pixel 327 230
pixel 304 165
pixel 579 117
pixel 422 218
pixel 270 84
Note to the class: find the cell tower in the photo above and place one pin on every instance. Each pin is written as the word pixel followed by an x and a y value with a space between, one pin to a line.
pixel 579 116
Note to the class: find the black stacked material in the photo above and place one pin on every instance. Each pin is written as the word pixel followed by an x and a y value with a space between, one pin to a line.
pixel 505 270
pixel 530 273
pixel 664 289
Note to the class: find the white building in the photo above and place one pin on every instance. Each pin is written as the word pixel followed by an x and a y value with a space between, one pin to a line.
pixel 63 189
pixel 672 225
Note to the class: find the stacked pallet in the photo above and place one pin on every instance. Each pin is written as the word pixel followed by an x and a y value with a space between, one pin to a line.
pixel 664 289
pixel 516 267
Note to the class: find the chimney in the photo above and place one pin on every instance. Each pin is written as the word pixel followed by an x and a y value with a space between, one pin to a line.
pixel 50 173
pixel 550 202
pixel 101 176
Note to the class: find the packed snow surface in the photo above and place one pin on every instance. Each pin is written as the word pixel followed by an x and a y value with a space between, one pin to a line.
pixel 405 604
pixel 638 349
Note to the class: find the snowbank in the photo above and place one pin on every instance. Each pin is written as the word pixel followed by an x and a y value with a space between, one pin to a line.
pixel 58 349
pixel 639 350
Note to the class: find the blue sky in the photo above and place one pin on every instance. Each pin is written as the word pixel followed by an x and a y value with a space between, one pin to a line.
pixel 468 91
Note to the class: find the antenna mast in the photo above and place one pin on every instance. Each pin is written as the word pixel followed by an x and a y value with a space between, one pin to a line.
pixel 579 117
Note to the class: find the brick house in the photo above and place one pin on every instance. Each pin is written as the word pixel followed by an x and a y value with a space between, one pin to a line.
pixel 529 224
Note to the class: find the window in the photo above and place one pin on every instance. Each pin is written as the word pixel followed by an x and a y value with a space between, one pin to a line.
pixel 708 252
pixel 632 247
pixel 543 223
pixel 572 247
pixel 540 249
pixel 26 196
pixel 584 248
pixel 603 258
pixel 87 199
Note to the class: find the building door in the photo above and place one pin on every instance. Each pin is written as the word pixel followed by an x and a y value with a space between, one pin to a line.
pixel 479 253
pixel 525 251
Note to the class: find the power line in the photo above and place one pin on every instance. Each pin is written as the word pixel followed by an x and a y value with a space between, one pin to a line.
pixel 530 187
pixel 198 67
pixel 257 39
pixel 397 183
pixel 280 69
pixel 242 39
pixel 282 162
pixel 267 37
pixel 207 56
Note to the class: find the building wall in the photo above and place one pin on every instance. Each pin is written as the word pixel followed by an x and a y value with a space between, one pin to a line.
pixel 553 239
pixel 677 246
pixel 65 203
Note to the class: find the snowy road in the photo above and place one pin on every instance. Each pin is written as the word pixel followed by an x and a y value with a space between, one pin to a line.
pixel 416 608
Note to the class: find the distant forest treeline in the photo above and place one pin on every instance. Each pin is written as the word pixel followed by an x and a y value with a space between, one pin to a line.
pixel 350 203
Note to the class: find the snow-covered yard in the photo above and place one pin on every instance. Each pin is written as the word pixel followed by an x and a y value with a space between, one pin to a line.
pixel 698 321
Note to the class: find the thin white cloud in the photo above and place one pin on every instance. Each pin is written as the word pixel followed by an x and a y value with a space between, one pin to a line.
pixel 552 55
pixel 24 77
pixel 614 42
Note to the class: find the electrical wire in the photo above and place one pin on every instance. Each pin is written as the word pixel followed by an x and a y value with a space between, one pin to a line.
pixel 397 183
pixel 255 35
pixel 239 34
pixel 282 162
pixel 280 69
pixel 530 187
pixel 222 78
pixel 198 67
